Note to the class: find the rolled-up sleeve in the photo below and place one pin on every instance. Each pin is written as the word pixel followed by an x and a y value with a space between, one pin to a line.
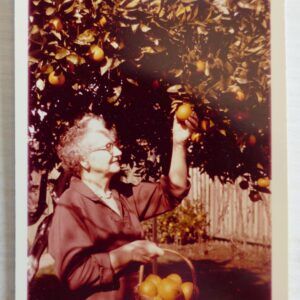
pixel 153 199
pixel 70 246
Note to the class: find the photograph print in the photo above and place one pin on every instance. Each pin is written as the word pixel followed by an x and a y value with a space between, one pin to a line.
pixel 149 150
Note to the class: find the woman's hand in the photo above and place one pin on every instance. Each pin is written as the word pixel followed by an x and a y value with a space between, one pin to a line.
pixel 141 251
pixel 183 130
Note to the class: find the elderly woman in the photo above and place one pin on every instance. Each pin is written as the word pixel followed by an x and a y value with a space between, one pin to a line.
pixel 96 237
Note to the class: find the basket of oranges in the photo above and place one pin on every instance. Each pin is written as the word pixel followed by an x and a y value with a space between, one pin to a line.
pixel 170 287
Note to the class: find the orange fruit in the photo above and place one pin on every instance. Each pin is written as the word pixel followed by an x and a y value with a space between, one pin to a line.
pixel 252 140
pixel 240 96
pixel 155 84
pixel 175 277
pixel 254 196
pixel 200 66
pixel 56 79
pixel 184 111
pixel 168 289
pixel 263 182
pixel 102 21
pixel 147 288
pixel 96 53
pixel 153 278
pixel 56 24
pixel 187 290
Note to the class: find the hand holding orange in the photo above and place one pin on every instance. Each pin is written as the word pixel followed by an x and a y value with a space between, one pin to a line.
pixel 184 111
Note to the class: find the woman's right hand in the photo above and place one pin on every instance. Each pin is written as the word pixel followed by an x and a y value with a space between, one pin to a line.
pixel 143 251
pixel 140 251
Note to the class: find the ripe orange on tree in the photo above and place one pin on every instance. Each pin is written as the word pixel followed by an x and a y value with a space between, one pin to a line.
pixel 56 79
pixel 263 182
pixel 251 140
pixel 96 53
pixel 184 111
pixel 240 95
pixel 254 196
pixel 238 92
pixel 155 84
pixel 103 21
pixel 244 184
pixel 200 66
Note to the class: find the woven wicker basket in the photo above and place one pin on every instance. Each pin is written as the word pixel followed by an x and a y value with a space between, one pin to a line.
pixel 193 276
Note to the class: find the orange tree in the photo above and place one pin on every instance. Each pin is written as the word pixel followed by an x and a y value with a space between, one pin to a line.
pixel 134 61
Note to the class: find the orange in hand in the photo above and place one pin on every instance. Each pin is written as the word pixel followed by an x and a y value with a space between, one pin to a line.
pixel 184 111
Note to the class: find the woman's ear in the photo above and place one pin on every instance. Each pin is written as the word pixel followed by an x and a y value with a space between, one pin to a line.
pixel 85 165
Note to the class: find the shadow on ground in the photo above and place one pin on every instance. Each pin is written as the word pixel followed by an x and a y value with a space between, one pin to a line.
pixel 46 287
pixel 216 281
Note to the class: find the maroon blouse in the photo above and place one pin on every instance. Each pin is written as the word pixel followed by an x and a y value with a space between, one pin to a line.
pixel 84 229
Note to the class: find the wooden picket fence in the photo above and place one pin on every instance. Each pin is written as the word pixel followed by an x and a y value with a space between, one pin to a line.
pixel 231 215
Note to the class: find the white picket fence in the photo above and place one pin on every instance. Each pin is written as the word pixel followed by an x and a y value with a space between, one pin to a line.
pixel 231 214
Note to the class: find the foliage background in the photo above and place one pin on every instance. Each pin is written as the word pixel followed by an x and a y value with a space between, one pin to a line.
pixel 213 54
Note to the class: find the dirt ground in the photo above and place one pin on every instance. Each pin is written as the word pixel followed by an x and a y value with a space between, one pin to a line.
pixel 223 272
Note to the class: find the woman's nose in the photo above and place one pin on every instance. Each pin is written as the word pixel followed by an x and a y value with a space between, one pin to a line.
pixel 117 151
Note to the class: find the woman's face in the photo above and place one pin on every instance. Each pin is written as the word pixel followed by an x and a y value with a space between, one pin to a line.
pixel 103 155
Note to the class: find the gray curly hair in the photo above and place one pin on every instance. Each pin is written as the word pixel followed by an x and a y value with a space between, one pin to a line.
pixel 72 148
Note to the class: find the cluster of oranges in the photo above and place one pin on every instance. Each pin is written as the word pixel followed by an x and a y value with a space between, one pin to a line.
pixel 95 53
pixel 168 288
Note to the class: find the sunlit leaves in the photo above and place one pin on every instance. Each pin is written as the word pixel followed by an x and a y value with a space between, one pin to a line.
pixel 156 55
pixel 86 37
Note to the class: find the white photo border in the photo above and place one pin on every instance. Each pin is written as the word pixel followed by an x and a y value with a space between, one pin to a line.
pixel 279 152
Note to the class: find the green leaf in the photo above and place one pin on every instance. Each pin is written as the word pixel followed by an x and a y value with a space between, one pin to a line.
pixel 145 28
pixel 133 4
pixel 117 93
pixel 86 38
pixel 50 11
pixel 106 67
pixel 62 53
pixel 134 82
pixel 148 50
pixel 174 88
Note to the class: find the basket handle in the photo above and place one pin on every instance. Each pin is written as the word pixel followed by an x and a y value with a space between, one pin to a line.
pixel 187 261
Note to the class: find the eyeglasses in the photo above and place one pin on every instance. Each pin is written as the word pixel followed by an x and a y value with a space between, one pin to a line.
pixel 108 147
